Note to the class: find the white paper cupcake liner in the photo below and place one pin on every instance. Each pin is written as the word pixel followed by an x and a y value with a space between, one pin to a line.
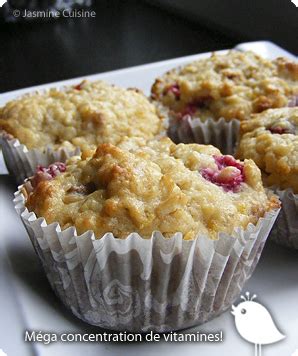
pixel 21 163
pixel 221 133
pixel 285 230
pixel 137 284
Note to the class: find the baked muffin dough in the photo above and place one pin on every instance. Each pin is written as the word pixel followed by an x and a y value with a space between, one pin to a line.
pixel 271 140
pixel 80 116
pixel 233 85
pixel 155 186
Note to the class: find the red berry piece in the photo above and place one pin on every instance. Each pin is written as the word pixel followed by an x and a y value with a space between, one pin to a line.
pixel 48 173
pixel 174 89
pixel 278 130
pixel 229 174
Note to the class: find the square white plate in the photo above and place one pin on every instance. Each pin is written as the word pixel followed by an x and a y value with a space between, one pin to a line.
pixel 27 302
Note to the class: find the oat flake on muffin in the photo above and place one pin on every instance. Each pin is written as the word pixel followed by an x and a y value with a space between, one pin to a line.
pixel 157 186
pixel 232 86
pixel 80 116
pixel 271 140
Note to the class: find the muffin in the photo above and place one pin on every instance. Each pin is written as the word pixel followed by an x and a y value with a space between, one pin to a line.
pixel 221 88
pixel 162 187
pixel 271 140
pixel 173 231
pixel 81 116
pixel 232 86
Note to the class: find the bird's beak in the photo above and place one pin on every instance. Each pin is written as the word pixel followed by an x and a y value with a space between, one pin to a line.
pixel 233 309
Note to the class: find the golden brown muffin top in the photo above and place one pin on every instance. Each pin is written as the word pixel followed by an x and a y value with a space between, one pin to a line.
pixel 80 116
pixel 142 188
pixel 233 85
pixel 271 140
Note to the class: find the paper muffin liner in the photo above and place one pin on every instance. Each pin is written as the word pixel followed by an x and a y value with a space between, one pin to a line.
pixel 220 133
pixel 137 284
pixel 21 163
pixel 285 230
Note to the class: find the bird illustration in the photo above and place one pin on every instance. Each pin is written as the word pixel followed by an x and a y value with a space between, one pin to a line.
pixel 254 323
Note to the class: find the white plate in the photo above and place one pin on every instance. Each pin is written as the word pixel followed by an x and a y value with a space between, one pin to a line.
pixel 27 302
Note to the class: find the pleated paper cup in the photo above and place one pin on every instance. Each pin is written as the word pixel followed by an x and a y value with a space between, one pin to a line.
pixel 220 133
pixel 137 284
pixel 285 230
pixel 21 162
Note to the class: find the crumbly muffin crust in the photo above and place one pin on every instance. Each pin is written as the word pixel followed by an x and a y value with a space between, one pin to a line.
pixel 233 85
pixel 271 140
pixel 80 116
pixel 155 186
